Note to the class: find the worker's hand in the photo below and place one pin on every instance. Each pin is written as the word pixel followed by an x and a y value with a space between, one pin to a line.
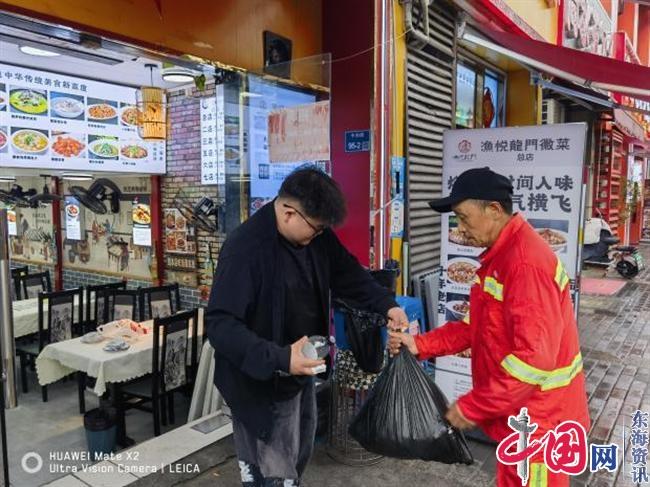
pixel 457 419
pixel 397 339
pixel 397 320
pixel 298 363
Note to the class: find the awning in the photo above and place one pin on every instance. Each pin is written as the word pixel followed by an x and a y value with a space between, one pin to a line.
pixel 582 68
pixel 628 125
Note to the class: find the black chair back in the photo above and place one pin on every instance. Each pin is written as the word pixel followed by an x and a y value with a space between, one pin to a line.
pixel 96 302
pixel 159 301
pixel 62 321
pixel 16 274
pixel 177 335
pixel 121 304
pixel 33 284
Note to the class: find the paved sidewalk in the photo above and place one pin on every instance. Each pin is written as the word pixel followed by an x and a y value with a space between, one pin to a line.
pixel 614 330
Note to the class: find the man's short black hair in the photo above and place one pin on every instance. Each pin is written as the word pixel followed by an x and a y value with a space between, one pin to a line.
pixel 318 194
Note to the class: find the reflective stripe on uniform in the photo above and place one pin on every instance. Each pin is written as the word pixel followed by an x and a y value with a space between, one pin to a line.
pixel 546 380
pixel 561 277
pixel 538 475
pixel 494 288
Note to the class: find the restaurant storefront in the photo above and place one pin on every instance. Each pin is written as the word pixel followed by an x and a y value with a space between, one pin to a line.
pixel 100 192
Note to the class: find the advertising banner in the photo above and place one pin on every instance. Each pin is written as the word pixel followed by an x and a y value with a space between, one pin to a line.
pixel 141 222
pixel 300 133
pixel 74 226
pixel 12 223
pixel 545 165
pixel 54 121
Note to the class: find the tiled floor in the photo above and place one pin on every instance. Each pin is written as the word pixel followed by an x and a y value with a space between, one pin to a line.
pixel 56 427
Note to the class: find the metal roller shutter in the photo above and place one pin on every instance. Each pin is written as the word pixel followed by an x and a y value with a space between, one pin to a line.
pixel 429 111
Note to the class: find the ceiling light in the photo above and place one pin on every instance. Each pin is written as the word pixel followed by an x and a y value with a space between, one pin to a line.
pixel 72 176
pixel 35 51
pixel 7 178
pixel 177 74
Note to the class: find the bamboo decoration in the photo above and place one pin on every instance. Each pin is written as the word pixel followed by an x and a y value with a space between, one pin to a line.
pixel 152 113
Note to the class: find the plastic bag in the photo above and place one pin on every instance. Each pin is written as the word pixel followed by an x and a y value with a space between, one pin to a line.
pixel 363 332
pixel 404 417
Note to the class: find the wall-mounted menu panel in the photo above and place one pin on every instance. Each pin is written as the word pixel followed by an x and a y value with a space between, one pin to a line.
pixel 53 121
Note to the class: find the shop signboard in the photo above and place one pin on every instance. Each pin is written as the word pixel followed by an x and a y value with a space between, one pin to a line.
pixel 74 219
pixel 213 149
pixel 141 215
pixel 55 121
pixel 545 165
pixel 587 27
pixel 640 112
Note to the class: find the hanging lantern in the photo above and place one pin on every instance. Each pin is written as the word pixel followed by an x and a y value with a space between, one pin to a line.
pixel 152 111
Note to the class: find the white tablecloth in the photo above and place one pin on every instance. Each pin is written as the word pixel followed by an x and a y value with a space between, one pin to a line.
pixel 206 398
pixel 63 358
pixel 26 316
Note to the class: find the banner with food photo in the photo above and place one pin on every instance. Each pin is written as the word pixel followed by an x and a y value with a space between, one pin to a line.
pixel 141 222
pixel 49 120
pixel 74 224
pixel 544 164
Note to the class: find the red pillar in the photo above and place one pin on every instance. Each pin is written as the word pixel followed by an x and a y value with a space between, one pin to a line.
pixel 58 235
pixel 156 231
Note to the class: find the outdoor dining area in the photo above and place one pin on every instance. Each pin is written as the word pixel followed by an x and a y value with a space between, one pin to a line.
pixel 122 350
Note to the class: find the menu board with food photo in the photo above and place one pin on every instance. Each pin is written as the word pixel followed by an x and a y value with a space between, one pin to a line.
pixel 3 97
pixel 545 167
pixel 3 139
pixel 179 239
pixel 54 121
pixel 141 222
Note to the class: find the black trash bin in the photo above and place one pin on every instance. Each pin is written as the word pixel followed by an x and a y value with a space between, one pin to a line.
pixel 101 431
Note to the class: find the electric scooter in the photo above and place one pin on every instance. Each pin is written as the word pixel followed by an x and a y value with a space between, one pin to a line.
pixel 597 250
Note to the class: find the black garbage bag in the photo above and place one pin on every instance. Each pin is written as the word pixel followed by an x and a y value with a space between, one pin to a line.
pixel 363 332
pixel 404 417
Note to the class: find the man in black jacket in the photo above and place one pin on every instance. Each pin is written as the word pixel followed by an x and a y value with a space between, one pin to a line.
pixel 271 291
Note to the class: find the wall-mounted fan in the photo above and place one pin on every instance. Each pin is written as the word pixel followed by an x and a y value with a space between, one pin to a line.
pixel 202 214
pixel 31 198
pixel 16 196
pixel 93 198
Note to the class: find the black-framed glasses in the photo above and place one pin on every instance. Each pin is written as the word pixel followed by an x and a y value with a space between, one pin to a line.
pixel 317 229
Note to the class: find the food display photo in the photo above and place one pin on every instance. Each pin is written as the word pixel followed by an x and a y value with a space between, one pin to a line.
pixel 554 232
pixel 461 270
pixel 456 306
pixel 104 111
pixel 63 105
pixel 66 144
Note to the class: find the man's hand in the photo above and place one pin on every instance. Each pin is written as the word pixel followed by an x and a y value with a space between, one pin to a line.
pixel 298 363
pixel 397 320
pixel 396 340
pixel 457 419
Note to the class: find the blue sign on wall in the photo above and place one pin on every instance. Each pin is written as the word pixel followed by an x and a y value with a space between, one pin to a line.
pixel 357 141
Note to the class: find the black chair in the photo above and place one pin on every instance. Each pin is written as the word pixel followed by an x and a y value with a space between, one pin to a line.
pixel 96 302
pixel 121 304
pixel 61 324
pixel 16 273
pixel 172 369
pixel 33 284
pixel 159 301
